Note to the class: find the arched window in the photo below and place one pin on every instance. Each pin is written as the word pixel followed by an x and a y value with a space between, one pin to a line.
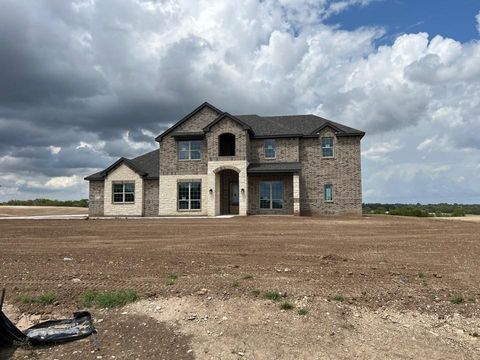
pixel 226 145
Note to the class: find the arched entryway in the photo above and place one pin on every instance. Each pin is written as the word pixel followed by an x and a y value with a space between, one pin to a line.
pixel 229 191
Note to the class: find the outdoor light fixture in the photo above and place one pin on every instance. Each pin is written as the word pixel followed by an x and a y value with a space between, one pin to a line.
pixel 243 191
pixel 210 191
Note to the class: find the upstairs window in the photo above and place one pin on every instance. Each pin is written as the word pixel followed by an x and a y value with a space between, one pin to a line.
pixel 328 192
pixel 189 195
pixel 269 149
pixel 189 150
pixel 271 195
pixel 123 192
pixel 327 147
pixel 226 145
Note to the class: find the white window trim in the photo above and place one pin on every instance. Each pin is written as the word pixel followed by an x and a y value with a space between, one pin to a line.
pixel 271 197
pixel 265 148
pixel 189 150
pixel 333 147
pixel 123 192
pixel 189 182
pixel 324 187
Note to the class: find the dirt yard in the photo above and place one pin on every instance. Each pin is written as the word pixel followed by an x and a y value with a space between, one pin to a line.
pixel 379 287
pixel 6 210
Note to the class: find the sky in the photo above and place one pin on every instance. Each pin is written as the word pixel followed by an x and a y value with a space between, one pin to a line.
pixel 85 82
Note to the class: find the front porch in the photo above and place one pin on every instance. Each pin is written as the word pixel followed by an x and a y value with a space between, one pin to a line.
pixel 257 189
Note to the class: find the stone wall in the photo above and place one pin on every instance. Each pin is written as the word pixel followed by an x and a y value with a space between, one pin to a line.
pixel 286 150
pixel 95 198
pixel 254 194
pixel 150 197
pixel 343 171
pixel 168 203
pixel 123 173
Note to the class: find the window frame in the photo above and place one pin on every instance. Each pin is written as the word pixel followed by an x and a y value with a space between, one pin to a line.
pixel 324 147
pixel 189 200
pixel 123 193
pixel 330 186
pixel 189 150
pixel 265 149
pixel 271 199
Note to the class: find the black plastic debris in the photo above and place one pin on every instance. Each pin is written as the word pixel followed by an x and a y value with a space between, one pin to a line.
pixel 48 332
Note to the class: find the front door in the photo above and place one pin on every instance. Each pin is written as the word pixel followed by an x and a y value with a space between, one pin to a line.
pixel 233 198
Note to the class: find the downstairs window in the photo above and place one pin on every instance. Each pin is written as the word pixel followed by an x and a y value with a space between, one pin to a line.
pixel 271 195
pixel 123 192
pixel 189 195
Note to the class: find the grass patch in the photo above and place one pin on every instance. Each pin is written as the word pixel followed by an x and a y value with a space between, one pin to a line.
pixel 108 299
pixel 235 284
pixel 340 298
pixel 44 299
pixel 247 277
pixel 302 311
pixel 273 295
pixel 171 279
pixel 457 299
pixel 286 305
pixel 255 292
pixel 421 275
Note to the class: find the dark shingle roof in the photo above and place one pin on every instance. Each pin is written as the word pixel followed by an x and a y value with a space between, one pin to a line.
pixel 293 125
pixel 274 167
pixel 146 165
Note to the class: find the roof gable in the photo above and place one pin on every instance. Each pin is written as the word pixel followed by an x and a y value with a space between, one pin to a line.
pixel 226 115
pixel 146 165
pixel 186 117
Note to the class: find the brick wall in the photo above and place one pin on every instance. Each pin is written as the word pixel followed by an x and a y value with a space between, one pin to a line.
pixel 227 126
pixel 343 172
pixel 170 165
pixel 286 150
pixel 254 198
pixel 150 198
pixel 95 198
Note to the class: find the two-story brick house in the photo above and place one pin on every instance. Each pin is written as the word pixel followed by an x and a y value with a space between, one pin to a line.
pixel 213 163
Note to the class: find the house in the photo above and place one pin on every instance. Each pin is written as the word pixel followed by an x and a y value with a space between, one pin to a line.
pixel 214 163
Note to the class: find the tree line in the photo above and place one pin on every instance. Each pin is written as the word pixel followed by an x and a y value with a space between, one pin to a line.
pixel 48 202
pixel 422 210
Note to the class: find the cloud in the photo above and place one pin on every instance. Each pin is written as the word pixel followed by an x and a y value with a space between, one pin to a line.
pixel 478 21
pixel 85 82
pixel 62 182
pixel 379 151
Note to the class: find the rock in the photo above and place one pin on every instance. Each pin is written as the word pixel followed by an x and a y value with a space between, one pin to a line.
pixel 241 353
pixel 202 291
pixel 287 270
pixel 189 351
pixel 67 259
pixel 76 280
pixel 192 317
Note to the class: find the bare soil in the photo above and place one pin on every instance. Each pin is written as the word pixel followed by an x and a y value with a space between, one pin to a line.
pixel 373 287
pixel 7 210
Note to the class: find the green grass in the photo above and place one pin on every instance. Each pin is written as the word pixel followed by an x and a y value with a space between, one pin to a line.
pixel 247 277
pixel 302 311
pixel 457 299
pixel 273 295
pixel 171 279
pixel 421 275
pixel 44 299
pixel 340 298
pixel 286 305
pixel 235 284
pixel 108 299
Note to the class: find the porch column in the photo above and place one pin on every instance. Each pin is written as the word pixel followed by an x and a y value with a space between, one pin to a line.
pixel 243 189
pixel 296 194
